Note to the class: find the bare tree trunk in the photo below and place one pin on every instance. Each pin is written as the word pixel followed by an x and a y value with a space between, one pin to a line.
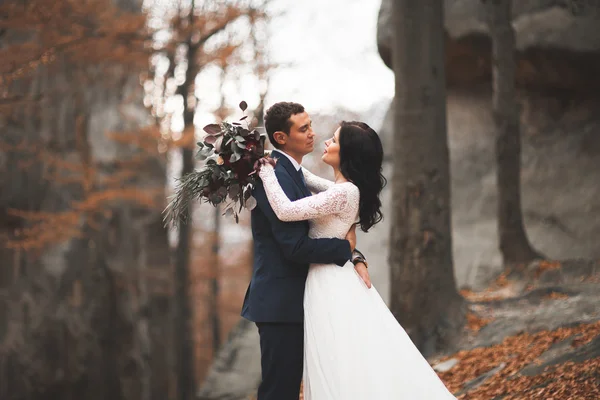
pixel 424 297
pixel 214 283
pixel 186 382
pixel 143 323
pixel 514 243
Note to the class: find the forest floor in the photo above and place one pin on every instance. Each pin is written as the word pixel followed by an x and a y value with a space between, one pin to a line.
pixel 533 334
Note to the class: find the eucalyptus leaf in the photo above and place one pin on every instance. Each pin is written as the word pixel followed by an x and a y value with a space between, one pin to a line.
pixel 212 161
pixel 247 192
pixel 234 190
pixel 218 144
pixel 222 191
pixel 214 198
pixel 210 139
pixel 204 153
pixel 235 157
pixel 212 129
pixel 250 203
pixel 241 145
pixel 240 139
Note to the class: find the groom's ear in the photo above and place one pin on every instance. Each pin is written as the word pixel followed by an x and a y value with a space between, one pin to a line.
pixel 280 137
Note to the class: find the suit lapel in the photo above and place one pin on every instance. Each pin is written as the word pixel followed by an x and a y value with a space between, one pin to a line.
pixel 289 167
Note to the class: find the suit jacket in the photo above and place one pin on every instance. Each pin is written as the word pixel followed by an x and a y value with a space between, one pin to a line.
pixel 282 254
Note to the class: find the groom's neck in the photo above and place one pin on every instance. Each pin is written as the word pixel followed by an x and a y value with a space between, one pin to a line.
pixel 297 157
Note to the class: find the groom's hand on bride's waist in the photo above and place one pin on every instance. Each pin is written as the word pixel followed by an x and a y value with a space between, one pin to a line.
pixel 358 259
pixel 351 237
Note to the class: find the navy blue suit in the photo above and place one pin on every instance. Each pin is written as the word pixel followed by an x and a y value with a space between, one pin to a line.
pixel 274 299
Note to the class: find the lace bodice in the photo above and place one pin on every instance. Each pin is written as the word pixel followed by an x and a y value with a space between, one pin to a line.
pixel 315 183
pixel 330 213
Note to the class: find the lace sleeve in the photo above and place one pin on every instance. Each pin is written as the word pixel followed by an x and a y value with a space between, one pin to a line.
pixel 331 201
pixel 315 183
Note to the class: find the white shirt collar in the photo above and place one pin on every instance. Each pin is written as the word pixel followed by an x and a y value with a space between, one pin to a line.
pixel 292 160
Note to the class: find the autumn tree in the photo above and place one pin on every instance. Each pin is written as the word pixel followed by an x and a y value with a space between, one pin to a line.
pixel 82 244
pixel 262 65
pixel 92 32
pixel 202 34
pixel 513 241
pixel 424 297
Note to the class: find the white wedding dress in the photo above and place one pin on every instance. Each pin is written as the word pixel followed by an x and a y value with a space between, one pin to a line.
pixel 354 349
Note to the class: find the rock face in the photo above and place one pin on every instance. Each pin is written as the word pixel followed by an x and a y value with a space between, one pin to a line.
pixel 542 299
pixel 79 317
pixel 561 152
pixel 557 43
pixel 235 374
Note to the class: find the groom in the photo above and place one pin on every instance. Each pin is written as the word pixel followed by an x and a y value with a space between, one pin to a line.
pixel 282 254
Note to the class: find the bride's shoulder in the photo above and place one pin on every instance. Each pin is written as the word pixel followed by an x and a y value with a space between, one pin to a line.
pixel 351 186
pixel 347 187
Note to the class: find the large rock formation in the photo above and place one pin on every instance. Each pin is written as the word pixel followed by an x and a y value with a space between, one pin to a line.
pixel 558 56
pixel 79 317
pixel 235 373
pixel 557 43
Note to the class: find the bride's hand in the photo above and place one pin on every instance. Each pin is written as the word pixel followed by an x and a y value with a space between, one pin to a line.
pixel 267 160
pixel 361 270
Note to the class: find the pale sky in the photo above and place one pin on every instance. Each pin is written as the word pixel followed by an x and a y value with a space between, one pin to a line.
pixel 331 45
pixel 328 53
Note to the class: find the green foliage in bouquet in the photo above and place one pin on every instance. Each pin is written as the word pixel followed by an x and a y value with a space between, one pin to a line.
pixel 229 151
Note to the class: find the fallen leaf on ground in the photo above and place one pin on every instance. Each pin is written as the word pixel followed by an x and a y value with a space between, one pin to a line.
pixel 564 382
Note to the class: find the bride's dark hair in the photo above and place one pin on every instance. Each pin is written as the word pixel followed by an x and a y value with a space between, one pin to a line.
pixel 361 159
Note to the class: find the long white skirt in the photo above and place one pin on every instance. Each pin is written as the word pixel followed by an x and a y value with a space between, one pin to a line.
pixel 354 349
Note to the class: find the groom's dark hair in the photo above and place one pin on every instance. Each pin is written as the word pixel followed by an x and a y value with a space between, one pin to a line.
pixel 277 118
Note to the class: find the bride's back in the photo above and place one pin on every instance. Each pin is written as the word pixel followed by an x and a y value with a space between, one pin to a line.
pixel 337 225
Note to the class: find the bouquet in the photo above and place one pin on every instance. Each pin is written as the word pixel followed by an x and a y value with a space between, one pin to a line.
pixel 229 151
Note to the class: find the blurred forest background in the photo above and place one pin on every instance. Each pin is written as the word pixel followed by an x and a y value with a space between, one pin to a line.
pixel 488 110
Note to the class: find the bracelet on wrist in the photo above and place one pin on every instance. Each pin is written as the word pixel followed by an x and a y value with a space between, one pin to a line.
pixel 357 260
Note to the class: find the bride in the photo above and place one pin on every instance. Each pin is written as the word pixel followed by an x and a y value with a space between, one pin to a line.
pixel 354 349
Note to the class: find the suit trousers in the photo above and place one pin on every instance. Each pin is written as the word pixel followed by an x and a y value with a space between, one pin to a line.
pixel 282 360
